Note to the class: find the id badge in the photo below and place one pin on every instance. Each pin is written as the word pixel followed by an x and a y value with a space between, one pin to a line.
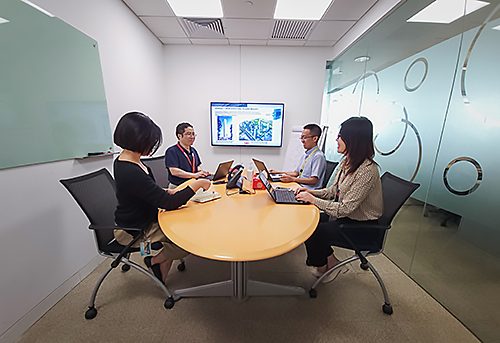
pixel 145 247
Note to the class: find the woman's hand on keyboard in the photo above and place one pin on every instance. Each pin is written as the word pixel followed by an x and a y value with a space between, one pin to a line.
pixel 305 197
pixel 300 189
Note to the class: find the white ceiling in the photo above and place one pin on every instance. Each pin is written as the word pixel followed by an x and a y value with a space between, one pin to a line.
pixel 250 22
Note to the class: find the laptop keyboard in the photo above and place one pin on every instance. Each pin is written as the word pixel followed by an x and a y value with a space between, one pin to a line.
pixel 284 196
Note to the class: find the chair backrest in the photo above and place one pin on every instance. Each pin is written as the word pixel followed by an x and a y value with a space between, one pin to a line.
pixel 160 172
pixel 330 167
pixel 95 194
pixel 395 193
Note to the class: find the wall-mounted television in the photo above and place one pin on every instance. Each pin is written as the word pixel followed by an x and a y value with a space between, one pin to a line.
pixel 247 124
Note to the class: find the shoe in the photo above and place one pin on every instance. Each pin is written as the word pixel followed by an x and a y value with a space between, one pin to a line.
pixel 315 272
pixel 332 276
pixel 155 268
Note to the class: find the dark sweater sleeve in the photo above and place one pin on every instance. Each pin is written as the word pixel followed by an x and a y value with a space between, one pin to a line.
pixel 144 188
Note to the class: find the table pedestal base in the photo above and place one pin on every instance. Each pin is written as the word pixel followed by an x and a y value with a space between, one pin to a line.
pixel 238 287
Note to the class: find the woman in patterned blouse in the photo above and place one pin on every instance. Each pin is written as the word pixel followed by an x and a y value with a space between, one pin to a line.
pixel 354 197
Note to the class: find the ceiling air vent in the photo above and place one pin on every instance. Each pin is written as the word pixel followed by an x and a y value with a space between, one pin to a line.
pixel 291 29
pixel 204 27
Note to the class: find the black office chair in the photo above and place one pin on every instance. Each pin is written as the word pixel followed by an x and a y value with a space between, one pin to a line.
pixel 395 193
pixel 160 172
pixel 95 194
pixel 330 167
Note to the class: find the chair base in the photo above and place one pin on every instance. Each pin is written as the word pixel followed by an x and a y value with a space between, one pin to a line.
pixel 386 307
pixel 91 312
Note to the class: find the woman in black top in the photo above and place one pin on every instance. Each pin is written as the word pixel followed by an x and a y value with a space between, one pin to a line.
pixel 139 197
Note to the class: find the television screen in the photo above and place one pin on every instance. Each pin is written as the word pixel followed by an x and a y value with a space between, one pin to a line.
pixel 247 124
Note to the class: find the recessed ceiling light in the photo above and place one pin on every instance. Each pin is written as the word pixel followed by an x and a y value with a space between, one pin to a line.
pixel 496 28
pixel 197 8
pixel 299 9
pixel 3 20
pixel 361 59
pixel 446 11
pixel 38 8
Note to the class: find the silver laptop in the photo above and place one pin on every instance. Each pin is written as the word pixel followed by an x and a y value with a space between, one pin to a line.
pixel 221 172
pixel 279 195
pixel 261 166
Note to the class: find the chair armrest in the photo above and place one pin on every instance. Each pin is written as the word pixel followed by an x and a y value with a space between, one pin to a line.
pixel 118 259
pixel 364 226
pixel 113 227
pixel 343 228
pixel 125 250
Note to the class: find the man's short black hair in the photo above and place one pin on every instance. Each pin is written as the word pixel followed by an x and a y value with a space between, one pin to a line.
pixel 314 129
pixel 136 132
pixel 179 130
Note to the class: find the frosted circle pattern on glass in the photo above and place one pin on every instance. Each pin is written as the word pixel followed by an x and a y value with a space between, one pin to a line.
pixel 419 142
pixel 426 69
pixel 479 178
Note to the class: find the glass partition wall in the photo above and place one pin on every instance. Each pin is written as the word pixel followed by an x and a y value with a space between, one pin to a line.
pixel 432 92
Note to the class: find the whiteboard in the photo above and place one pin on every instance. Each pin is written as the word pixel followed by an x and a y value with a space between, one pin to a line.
pixel 52 101
pixel 294 150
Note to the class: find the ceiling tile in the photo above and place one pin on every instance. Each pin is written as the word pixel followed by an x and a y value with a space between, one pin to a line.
pixel 248 41
pixel 175 40
pixel 209 41
pixel 248 28
pixel 259 9
pixel 286 42
pixel 150 7
pixel 164 26
pixel 320 42
pixel 348 9
pixel 330 30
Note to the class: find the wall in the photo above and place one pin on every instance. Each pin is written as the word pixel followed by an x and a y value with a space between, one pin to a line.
pixel 45 248
pixel 197 75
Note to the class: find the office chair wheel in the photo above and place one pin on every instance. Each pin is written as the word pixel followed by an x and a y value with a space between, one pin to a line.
pixel 169 303
pixel 125 268
pixel 313 293
pixel 181 266
pixel 387 309
pixel 363 266
pixel 90 313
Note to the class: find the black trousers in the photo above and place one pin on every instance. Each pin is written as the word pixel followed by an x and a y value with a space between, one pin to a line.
pixel 327 233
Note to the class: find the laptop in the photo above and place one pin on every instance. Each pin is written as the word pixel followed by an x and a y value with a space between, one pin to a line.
pixel 280 195
pixel 262 167
pixel 221 172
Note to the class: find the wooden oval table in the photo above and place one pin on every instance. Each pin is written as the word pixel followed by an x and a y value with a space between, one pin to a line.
pixel 239 229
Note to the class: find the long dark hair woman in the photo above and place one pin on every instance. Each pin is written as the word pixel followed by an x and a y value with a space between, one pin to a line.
pixel 139 197
pixel 354 197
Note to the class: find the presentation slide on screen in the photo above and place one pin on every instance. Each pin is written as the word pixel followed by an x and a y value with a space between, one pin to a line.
pixel 247 124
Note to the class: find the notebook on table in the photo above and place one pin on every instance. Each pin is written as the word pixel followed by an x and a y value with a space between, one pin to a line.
pixel 204 196
pixel 221 172
pixel 261 166
pixel 279 195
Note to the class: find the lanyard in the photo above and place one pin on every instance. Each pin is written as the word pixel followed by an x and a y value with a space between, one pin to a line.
pixel 337 191
pixel 305 160
pixel 191 163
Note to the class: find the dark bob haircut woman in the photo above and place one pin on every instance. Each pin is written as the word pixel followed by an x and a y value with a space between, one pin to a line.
pixel 357 134
pixel 136 132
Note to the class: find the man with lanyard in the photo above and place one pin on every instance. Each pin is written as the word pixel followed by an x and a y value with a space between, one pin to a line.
pixel 311 168
pixel 182 159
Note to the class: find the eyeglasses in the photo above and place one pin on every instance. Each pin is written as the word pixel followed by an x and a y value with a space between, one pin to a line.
pixel 190 134
pixel 303 138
